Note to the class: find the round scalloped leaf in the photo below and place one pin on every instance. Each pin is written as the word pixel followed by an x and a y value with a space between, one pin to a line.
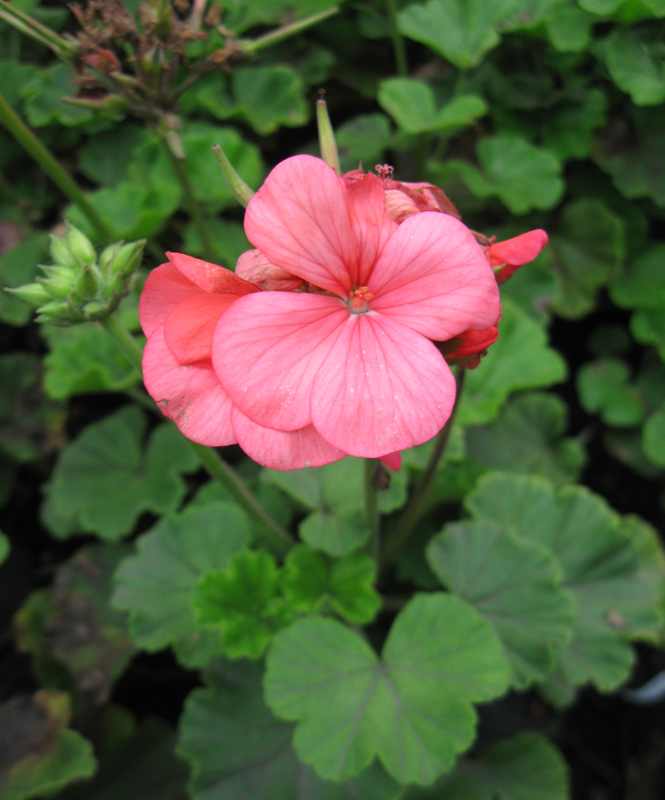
pixel 105 479
pixel 603 388
pixel 527 437
pixel 514 584
pixel 653 437
pixel 413 708
pixel 519 359
pixel 634 69
pixel 157 584
pixel 238 750
pixel 601 567
pixel 526 767
pixel 641 282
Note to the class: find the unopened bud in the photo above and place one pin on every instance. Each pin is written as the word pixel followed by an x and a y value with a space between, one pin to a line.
pixel 60 252
pixel 87 283
pixel 80 246
pixel 59 281
pixel 55 311
pixel 327 141
pixel 32 293
pixel 94 310
pixel 127 258
pixel 114 286
pixel 239 189
pixel 107 255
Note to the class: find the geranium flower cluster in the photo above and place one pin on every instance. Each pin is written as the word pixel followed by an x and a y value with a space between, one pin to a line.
pixel 322 343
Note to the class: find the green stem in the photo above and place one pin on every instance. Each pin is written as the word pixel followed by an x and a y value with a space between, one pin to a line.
pixel 218 468
pixel 227 478
pixel 27 139
pixel 412 512
pixel 398 43
pixel 63 48
pixel 372 507
pixel 286 31
pixel 178 166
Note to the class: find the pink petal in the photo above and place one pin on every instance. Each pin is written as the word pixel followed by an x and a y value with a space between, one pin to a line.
pixel 433 277
pixel 371 223
pixel 382 388
pixel 267 348
pixel 283 449
pixel 299 220
pixel 516 252
pixel 191 395
pixel 210 277
pixel 253 266
pixel 164 289
pixel 392 460
pixel 189 327
pixel 474 342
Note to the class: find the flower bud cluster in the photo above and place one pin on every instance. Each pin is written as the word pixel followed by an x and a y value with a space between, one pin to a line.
pixel 80 286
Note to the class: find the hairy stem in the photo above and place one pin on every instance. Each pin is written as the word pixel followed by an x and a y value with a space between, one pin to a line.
pixel 178 166
pixel 219 470
pixel 51 166
pixel 63 48
pixel 285 32
pixel 411 513
pixel 372 508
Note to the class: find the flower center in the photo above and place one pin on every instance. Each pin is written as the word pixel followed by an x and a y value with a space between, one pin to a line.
pixel 358 300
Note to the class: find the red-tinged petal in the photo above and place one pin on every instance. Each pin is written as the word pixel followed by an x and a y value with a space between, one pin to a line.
pixel 371 223
pixel 516 252
pixel 382 388
pixel 474 342
pixel 189 327
pixel 433 277
pixel 299 220
pixel 189 395
pixel 392 460
pixel 164 289
pixel 268 347
pixel 253 266
pixel 425 196
pixel 211 277
pixel 283 449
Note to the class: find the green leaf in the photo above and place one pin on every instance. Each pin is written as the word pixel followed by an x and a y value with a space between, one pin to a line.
pixel 460 30
pixel 412 105
pixel 600 567
pixel 634 68
pixel 641 282
pixel 526 767
pixel 523 176
pixel 269 97
pixel 586 250
pixel 514 585
pixel 43 755
pixel 105 480
pixel 334 493
pixel 568 132
pixel 105 157
pixel 313 582
pixel 43 99
pixel 4 547
pixel 527 438
pixel 519 359
pixel 637 170
pixel 653 437
pixel 363 140
pixel 238 749
pixel 18 266
pixel 157 584
pixel 243 15
pixel 413 708
pixel 84 358
pixel 244 601
pixel 648 327
pixel 603 388
pixel 13 77
pixel 569 29
pixel 100 649
pixel 601 7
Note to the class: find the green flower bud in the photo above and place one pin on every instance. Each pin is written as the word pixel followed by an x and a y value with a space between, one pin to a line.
pixel 56 311
pixel 127 258
pixel 60 252
pixel 107 255
pixel 87 284
pixel 239 189
pixel 80 246
pixel 114 286
pixel 95 310
pixel 32 293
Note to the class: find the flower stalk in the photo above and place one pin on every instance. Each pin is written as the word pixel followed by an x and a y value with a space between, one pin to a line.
pixel 66 49
pixel 411 513
pixel 372 507
pixel 286 31
pixel 51 166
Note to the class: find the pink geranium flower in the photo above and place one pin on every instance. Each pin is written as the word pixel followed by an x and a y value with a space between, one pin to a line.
pixel 328 349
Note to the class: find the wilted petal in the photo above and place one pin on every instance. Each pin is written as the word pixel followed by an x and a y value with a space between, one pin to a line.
pixel 189 327
pixel 425 196
pixel 253 266
pixel 189 395
pixel 211 277
pixel 283 449
pixel 382 388
pixel 433 277
pixel 163 290
pixel 299 220
pixel 267 348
